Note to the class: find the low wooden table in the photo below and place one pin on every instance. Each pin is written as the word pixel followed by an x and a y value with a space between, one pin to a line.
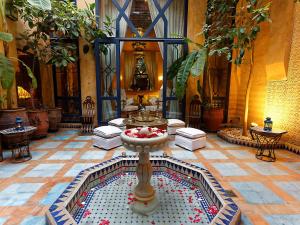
pixel 267 142
pixel 18 142
pixel 160 123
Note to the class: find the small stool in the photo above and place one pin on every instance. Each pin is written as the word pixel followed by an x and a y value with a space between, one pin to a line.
pixel 107 137
pixel 190 138
pixel 173 125
pixel 118 123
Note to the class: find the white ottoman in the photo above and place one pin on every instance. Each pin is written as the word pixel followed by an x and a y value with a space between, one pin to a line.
pixel 190 138
pixel 118 123
pixel 107 137
pixel 173 125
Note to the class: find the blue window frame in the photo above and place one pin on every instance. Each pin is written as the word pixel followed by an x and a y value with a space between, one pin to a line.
pixel 167 41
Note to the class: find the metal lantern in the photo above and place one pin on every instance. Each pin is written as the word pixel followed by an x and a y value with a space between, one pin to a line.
pixel 19 124
pixel 268 123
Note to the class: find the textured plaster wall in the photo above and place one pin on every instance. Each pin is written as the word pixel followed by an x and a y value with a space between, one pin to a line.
pixel 283 97
pixel 87 66
pixel 196 20
pixel 271 58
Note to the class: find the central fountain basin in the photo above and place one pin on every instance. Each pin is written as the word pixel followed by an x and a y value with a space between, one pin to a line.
pixel 103 194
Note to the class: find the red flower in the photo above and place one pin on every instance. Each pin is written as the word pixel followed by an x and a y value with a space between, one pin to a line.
pixel 86 213
pixel 104 222
pixel 84 194
pixel 79 204
pixel 149 129
pixel 213 209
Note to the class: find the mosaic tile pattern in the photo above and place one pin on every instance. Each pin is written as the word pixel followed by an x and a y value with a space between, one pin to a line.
pixel 33 203
pixel 174 207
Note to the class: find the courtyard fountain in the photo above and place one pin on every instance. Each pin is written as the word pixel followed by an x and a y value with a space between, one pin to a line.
pixel 144 190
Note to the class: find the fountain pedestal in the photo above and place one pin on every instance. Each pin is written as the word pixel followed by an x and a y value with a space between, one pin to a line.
pixel 145 199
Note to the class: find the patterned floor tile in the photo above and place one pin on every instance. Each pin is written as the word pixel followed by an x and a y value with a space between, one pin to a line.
pixel 290 187
pixel 34 220
pixel 266 168
pixel 61 137
pixel 63 155
pixel 2 220
pixel 77 168
pixel 36 155
pixel 83 138
pixel 213 154
pixel 54 193
pixel 45 170
pixel 183 154
pixel 208 145
pixel 18 194
pixel 93 155
pixel 75 144
pixel 293 166
pixel 199 164
pixel 70 132
pixel 241 154
pixel 8 170
pixel 245 220
pixel 225 144
pixel 50 144
pixel 256 193
pixel 283 219
pixel 229 169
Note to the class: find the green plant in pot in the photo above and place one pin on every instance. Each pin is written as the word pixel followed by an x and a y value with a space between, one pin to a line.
pixel 8 114
pixel 53 33
pixel 231 26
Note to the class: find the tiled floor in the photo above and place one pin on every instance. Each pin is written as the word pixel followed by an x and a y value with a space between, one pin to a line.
pixel 268 193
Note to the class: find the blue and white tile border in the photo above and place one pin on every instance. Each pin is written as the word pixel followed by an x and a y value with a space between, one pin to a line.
pixel 62 210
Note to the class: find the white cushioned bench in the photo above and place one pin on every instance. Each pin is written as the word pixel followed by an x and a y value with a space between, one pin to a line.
pixel 107 137
pixel 190 138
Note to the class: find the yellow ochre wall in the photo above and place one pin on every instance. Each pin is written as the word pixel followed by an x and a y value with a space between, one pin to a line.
pixel 274 90
pixel 283 97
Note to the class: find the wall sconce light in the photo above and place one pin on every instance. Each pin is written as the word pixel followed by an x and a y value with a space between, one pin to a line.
pixel 268 124
pixel 253 124
pixel 160 78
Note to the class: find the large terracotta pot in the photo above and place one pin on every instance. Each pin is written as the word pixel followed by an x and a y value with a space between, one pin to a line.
pixel 54 118
pixel 8 117
pixel 213 118
pixel 39 119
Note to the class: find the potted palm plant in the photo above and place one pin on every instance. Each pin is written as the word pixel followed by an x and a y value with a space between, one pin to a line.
pixel 230 27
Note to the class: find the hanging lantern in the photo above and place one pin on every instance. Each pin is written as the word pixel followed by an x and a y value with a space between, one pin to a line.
pixel 19 124
pixel 268 123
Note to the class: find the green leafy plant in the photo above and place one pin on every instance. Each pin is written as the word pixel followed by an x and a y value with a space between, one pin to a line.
pixel 231 26
pixel 7 71
pixel 50 28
